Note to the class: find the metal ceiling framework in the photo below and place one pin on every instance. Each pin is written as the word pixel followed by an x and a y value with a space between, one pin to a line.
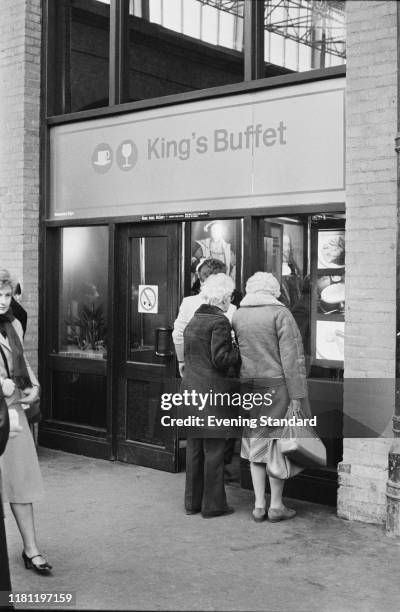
pixel 318 24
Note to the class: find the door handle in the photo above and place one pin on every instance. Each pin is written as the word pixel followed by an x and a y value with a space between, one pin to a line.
pixel 163 343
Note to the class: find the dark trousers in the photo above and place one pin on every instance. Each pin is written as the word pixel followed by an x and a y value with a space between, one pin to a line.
pixel 229 450
pixel 5 583
pixel 205 488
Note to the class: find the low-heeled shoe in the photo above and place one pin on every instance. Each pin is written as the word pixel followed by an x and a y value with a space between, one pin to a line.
pixel 259 515
pixel 41 568
pixel 281 514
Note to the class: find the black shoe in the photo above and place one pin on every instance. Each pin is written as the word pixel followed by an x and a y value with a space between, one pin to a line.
pixel 192 511
pixel 229 510
pixel 41 568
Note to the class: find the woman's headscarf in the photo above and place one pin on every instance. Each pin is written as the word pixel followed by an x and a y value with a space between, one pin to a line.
pixel 263 282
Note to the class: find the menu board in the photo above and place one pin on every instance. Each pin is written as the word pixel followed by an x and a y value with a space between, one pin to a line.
pixel 328 300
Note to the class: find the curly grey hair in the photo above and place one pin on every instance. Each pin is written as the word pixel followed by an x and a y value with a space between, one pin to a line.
pixel 216 288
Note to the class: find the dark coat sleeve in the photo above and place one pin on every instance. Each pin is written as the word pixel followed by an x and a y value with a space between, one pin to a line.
pixel 4 424
pixel 223 353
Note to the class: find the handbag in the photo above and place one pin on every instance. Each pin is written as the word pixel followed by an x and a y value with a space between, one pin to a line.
pixel 279 465
pixel 32 411
pixel 300 442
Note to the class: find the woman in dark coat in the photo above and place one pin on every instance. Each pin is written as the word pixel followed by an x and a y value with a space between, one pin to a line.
pixel 272 357
pixel 209 355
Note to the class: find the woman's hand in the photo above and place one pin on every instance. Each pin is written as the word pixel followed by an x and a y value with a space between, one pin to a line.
pixel 30 395
pixel 8 387
pixel 296 404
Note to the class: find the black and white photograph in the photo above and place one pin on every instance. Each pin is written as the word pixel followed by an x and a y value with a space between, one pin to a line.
pixel 200 305
pixel 331 249
pixel 330 340
pixel 215 239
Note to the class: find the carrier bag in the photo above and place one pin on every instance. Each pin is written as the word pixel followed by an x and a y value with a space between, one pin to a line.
pixel 300 443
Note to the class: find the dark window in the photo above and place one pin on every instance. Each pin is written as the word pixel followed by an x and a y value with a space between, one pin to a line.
pixel 81 55
pixel 183 46
pixel 176 46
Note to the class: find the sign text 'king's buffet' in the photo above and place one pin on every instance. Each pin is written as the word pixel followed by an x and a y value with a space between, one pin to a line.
pixel 271 147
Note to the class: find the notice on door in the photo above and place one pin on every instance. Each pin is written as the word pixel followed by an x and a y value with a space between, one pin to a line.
pixel 148 299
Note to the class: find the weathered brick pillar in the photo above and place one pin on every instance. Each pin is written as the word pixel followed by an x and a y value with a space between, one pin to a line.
pixel 371 220
pixel 20 34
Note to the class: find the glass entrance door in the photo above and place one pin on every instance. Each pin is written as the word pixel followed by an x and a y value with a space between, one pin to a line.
pixel 147 302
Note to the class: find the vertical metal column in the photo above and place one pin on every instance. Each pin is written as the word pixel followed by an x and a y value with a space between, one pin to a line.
pixel 118 74
pixel 253 40
pixel 393 483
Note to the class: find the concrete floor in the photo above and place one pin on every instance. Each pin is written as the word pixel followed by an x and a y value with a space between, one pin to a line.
pixel 117 536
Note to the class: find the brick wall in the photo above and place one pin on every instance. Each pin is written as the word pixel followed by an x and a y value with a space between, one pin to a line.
pixel 371 219
pixel 20 32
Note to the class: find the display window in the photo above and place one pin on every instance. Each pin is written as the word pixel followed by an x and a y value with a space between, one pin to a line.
pixel 306 253
pixel 83 291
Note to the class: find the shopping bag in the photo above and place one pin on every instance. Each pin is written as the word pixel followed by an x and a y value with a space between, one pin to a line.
pixel 300 442
pixel 279 465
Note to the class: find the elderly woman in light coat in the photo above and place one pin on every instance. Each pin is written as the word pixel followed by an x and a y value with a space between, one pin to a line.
pixel 272 362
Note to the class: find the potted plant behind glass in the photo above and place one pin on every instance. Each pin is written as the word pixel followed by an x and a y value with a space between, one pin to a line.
pixel 88 331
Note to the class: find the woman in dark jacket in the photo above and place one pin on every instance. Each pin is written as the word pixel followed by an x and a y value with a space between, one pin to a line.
pixel 272 358
pixel 209 355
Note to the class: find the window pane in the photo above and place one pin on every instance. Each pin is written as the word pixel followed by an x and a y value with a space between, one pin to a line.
pixel 302 34
pixel 84 284
pixel 184 46
pixel 82 55
pixel 148 317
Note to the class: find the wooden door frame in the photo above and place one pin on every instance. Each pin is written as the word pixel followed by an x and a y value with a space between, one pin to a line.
pixel 141 453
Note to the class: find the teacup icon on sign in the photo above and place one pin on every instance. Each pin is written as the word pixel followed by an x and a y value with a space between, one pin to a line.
pixel 103 157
